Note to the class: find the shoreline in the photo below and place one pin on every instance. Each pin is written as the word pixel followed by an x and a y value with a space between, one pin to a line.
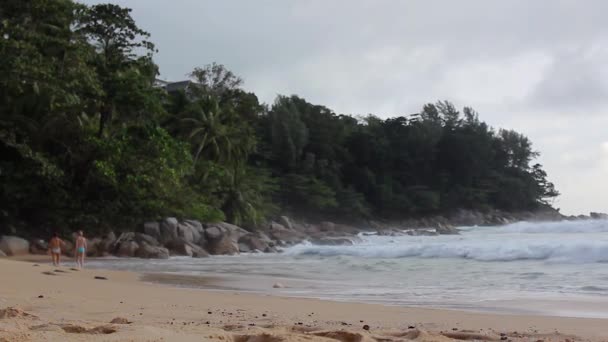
pixel 76 298
pixel 566 306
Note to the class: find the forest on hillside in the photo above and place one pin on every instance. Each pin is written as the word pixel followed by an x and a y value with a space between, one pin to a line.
pixel 87 138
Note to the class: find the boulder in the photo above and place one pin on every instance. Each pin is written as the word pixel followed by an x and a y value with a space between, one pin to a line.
pixel 252 242
pixel 223 246
pixel 67 248
pixel 141 237
pixel 333 241
pixel 168 230
pixel 213 233
pixel 194 229
pixel 446 229
pixel 183 248
pixel 148 251
pixel 286 222
pixel 188 233
pixel 13 245
pixel 280 233
pixel 94 247
pixel 127 249
pixel 421 232
pixel 39 247
pixel 327 226
pixel 152 229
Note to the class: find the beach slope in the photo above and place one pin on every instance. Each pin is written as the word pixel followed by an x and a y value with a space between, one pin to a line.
pixel 39 302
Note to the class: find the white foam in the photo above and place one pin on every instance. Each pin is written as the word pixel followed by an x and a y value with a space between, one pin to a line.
pixel 560 242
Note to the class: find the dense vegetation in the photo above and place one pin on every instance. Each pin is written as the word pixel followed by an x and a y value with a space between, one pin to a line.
pixel 86 138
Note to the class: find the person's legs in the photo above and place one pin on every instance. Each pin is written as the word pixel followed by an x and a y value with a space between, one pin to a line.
pixel 58 259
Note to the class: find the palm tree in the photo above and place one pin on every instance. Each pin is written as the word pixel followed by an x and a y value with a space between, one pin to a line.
pixel 207 131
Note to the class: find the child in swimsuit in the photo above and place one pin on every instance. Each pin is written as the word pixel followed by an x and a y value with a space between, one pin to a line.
pixel 81 248
pixel 55 248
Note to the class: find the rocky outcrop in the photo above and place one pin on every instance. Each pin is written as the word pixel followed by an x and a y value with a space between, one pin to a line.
pixel 255 242
pixel 93 247
pixel 283 235
pixel 151 252
pixel 126 249
pixel 222 238
pixel 168 230
pixel 152 229
pixel 13 245
pixel 39 247
pixel 446 229
pixel 148 239
pixel 183 248
pixel 335 241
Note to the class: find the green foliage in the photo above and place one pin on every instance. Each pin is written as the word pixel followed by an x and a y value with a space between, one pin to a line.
pixel 86 139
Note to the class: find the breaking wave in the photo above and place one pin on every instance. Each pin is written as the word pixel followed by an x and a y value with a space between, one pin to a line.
pixel 559 242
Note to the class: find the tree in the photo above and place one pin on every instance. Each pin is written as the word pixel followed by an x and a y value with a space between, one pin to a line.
pixel 120 67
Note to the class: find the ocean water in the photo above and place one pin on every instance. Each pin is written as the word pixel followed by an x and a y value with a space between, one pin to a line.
pixel 557 268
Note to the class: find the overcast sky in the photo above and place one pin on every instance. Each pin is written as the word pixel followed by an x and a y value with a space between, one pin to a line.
pixel 540 67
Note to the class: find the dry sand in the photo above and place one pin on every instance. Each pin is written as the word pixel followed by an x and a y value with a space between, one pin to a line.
pixel 39 302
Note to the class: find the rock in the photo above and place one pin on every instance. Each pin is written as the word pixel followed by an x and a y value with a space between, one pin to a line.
pixel 280 233
pixel 168 230
pixel 147 251
pixel 332 241
pixel 93 247
pixel 68 248
pixel 366 327
pixel 421 232
pixel 106 246
pixel 223 246
pixel 222 238
pixel 213 233
pixel 446 229
pixel 251 242
pixel 278 286
pixel 39 247
pixel 327 226
pixel 13 245
pixel 152 229
pixel 180 247
pixel 191 231
pixel 286 222
pixel 100 278
pixel 149 239
pixel 120 320
pixel 126 249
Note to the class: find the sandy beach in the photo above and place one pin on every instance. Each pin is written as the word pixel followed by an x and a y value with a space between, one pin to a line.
pixel 40 302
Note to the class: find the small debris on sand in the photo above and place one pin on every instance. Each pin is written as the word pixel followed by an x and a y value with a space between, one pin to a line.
pixel 101 278
pixel 120 320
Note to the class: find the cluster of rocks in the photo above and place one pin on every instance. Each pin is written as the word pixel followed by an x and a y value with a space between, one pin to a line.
pixel 171 237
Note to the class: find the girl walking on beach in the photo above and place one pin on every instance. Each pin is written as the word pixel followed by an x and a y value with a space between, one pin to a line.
pixel 55 249
pixel 81 249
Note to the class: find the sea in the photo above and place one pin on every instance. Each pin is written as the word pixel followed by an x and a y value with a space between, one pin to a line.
pixel 552 268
